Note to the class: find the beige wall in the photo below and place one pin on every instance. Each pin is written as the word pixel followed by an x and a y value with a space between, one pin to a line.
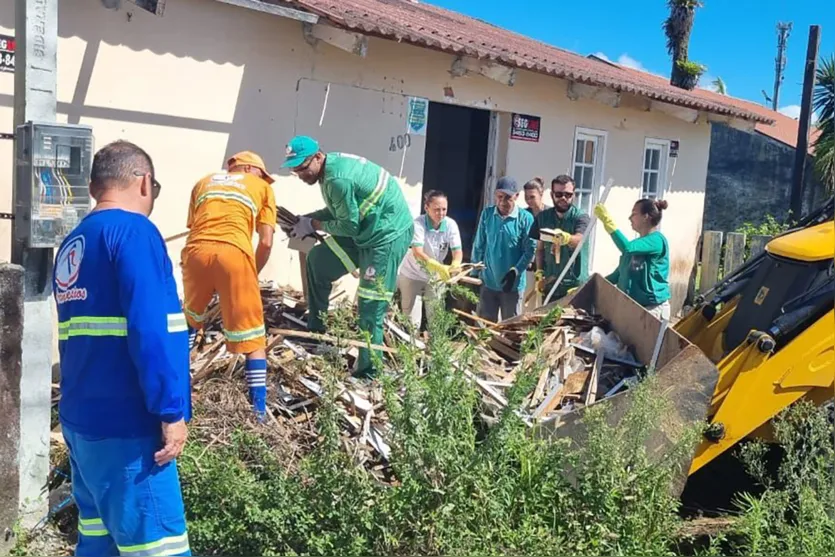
pixel 209 79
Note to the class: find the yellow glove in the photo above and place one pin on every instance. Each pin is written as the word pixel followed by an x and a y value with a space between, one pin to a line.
pixel 539 277
pixel 572 290
pixel 603 216
pixel 438 268
pixel 561 237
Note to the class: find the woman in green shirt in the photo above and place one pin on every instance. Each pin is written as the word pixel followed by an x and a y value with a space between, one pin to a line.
pixel 644 269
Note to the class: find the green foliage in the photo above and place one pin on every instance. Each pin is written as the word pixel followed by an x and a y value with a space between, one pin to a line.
pixel 719 86
pixel 22 540
pixel 691 68
pixel 769 226
pixel 824 105
pixel 457 487
pixel 796 514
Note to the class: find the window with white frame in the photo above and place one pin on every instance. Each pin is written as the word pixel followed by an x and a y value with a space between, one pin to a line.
pixel 587 166
pixel 656 156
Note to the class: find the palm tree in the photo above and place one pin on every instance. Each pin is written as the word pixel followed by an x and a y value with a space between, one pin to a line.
pixel 677 27
pixel 719 86
pixel 824 105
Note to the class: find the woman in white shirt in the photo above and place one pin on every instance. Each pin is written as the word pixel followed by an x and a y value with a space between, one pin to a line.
pixel 435 236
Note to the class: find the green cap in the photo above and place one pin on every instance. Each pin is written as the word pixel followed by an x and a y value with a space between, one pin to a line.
pixel 299 149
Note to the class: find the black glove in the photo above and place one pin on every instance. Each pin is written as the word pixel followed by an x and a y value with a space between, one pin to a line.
pixel 509 280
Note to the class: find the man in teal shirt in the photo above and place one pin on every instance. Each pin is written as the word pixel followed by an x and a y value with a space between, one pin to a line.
pixel 370 228
pixel 504 245
pixel 569 223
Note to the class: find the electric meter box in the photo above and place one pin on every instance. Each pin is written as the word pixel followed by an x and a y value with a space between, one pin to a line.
pixel 53 163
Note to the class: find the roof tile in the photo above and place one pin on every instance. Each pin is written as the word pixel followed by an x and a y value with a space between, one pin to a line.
pixel 430 26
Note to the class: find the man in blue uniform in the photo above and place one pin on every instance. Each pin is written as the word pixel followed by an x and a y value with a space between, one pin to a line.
pixel 123 340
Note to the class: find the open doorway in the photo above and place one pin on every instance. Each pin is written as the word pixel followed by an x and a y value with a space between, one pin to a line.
pixel 455 162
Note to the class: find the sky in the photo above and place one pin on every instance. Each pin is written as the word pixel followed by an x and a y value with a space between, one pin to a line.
pixel 735 39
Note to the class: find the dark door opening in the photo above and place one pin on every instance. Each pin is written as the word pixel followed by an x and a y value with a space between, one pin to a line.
pixel 456 163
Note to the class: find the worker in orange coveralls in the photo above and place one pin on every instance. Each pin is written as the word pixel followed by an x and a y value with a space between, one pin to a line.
pixel 226 208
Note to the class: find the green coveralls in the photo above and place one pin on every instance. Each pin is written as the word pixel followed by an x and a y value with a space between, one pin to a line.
pixel 371 228
pixel 579 273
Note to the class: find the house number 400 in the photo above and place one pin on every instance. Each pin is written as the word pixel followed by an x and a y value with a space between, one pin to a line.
pixel 400 142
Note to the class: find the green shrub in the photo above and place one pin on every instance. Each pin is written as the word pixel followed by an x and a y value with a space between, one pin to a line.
pixel 458 487
pixel 796 513
pixel 769 226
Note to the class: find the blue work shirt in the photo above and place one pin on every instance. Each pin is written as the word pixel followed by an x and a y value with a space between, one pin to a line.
pixel 122 334
pixel 503 243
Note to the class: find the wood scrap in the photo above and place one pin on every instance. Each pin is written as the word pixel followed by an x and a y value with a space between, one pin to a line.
pixel 329 339
pixel 591 393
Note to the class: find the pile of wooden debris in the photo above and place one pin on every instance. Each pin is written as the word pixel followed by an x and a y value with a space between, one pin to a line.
pixel 581 364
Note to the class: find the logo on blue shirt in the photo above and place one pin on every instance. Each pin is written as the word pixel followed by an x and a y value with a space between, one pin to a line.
pixel 67 269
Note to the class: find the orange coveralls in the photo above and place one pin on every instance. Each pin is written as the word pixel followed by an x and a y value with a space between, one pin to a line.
pixel 218 257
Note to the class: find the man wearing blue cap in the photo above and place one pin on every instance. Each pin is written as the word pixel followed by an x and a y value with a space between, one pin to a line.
pixel 504 245
pixel 370 228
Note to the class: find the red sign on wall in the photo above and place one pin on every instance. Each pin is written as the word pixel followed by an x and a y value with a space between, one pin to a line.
pixel 525 128
pixel 7 45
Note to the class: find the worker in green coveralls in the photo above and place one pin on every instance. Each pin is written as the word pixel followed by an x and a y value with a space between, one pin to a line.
pixel 370 228
pixel 569 223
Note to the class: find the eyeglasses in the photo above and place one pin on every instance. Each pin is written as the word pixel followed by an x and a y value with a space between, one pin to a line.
pixel 304 166
pixel 156 185
pixel 562 194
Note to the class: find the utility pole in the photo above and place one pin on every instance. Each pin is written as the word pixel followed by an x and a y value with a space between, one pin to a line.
pixel 802 148
pixel 36 32
pixel 783 32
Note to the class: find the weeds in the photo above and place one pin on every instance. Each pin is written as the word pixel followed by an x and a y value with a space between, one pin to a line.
pixel 796 514
pixel 457 488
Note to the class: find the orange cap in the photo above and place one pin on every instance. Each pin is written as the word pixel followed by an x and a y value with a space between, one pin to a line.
pixel 251 159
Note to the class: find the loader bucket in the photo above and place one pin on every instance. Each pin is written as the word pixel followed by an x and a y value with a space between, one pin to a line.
pixel 686 377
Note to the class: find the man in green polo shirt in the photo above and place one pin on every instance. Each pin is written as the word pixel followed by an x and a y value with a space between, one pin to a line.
pixel 370 227
pixel 570 223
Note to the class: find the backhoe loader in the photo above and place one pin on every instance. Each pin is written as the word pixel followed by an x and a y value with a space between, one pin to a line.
pixel 770 329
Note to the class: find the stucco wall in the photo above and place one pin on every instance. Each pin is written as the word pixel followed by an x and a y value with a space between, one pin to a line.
pixel 209 79
pixel 750 176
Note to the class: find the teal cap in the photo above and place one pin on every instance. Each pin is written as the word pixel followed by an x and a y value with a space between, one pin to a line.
pixel 299 149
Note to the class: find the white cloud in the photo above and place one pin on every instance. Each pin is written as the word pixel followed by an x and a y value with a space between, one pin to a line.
pixel 792 111
pixel 627 61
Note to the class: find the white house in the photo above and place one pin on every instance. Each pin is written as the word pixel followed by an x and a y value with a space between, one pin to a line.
pixel 211 77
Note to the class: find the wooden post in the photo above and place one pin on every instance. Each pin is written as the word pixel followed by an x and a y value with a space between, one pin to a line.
pixel 734 252
pixel 758 244
pixel 711 256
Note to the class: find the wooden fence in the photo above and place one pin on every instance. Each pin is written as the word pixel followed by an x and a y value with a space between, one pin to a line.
pixel 722 254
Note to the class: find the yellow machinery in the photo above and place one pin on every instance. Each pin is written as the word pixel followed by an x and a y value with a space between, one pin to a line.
pixel 770 330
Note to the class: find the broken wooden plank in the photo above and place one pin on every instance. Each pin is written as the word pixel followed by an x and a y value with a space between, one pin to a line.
pixel 294 319
pixel 476 318
pixel 330 339
pixel 551 401
pixel 404 336
pixel 591 394
pixel 490 391
pixel 539 391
